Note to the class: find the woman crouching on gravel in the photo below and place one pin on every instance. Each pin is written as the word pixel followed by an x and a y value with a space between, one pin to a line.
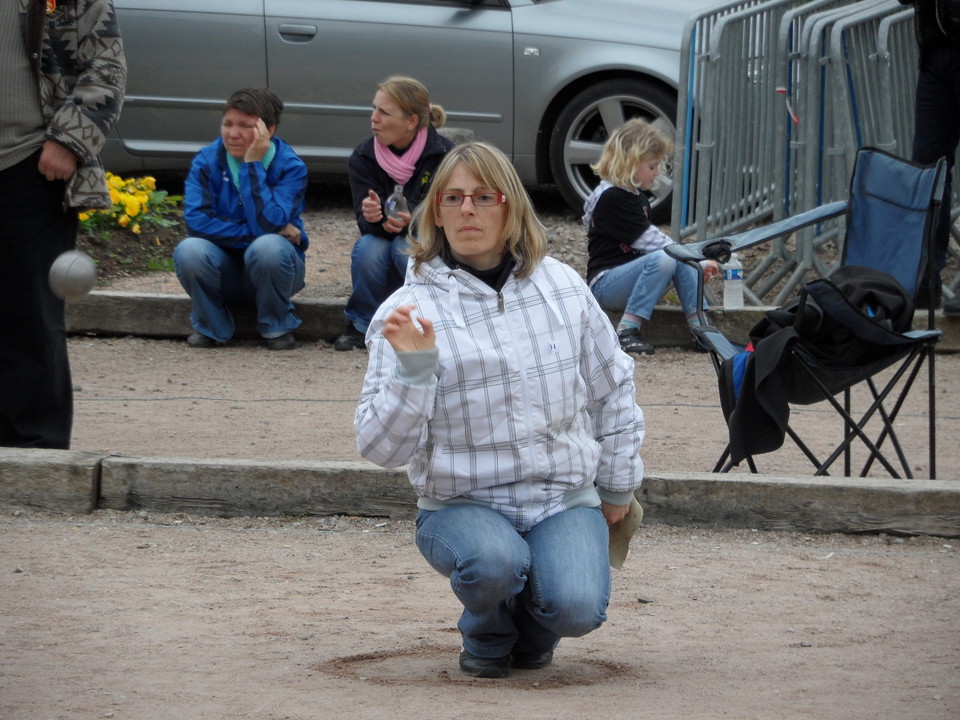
pixel 497 379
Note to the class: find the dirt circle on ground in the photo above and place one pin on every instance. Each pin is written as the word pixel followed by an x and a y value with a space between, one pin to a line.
pixel 431 664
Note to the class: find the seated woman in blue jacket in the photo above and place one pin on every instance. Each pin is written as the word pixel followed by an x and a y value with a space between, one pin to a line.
pixel 242 204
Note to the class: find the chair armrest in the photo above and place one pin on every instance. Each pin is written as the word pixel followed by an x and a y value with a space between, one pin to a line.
pixel 715 341
pixel 719 248
pixel 693 252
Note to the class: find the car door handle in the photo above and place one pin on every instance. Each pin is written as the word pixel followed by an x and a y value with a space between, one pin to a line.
pixel 297 33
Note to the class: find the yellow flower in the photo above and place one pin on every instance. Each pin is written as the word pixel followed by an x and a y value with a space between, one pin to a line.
pixel 131 206
pixel 132 198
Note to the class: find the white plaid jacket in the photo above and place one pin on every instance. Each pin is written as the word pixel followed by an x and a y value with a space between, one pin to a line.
pixel 529 403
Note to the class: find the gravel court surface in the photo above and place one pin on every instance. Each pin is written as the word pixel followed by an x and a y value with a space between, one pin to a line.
pixel 144 615
pixel 137 615
pixel 152 616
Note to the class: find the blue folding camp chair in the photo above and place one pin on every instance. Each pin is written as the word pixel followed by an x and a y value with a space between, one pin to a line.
pixel 840 331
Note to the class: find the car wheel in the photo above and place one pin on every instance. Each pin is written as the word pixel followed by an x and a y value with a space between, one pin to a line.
pixel 586 123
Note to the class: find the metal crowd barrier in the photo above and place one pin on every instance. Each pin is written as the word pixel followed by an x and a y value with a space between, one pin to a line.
pixel 778 98
pixel 799 92
pixel 721 162
pixel 837 99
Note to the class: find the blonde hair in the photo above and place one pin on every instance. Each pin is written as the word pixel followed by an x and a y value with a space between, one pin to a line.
pixel 630 144
pixel 411 97
pixel 525 235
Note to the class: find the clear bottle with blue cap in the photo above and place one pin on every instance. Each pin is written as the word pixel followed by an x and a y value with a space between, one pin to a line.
pixel 733 284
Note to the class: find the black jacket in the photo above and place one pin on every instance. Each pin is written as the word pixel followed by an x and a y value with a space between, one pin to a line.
pixel 618 218
pixel 937 22
pixel 846 328
pixel 366 174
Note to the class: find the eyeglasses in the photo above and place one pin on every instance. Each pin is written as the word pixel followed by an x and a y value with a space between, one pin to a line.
pixel 455 199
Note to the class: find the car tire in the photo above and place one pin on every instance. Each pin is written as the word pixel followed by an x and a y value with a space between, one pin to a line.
pixel 587 121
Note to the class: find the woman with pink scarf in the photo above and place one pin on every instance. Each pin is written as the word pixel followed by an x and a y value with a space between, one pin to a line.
pixel 405 150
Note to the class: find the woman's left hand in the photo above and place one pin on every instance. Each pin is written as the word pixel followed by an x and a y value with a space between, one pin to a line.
pixel 261 143
pixel 613 513
pixel 397 224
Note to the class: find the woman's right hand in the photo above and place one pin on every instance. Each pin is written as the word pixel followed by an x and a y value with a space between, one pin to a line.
pixel 402 332
pixel 292 233
pixel 372 208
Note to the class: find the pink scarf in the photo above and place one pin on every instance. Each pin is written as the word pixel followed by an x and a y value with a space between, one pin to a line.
pixel 400 167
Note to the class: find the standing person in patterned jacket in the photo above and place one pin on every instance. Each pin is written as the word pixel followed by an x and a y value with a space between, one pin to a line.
pixel 496 377
pixel 63 74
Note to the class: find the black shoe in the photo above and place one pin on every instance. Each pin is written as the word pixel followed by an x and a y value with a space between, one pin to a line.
pixel 632 342
pixel 352 339
pixel 199 340
pixel 283 342
pixel 484 667
pixel 530 661
pixel 951 308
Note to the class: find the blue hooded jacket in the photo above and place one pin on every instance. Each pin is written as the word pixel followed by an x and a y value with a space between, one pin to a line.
pixel 267 198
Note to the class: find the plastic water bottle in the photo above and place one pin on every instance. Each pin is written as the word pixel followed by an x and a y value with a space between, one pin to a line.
pixel 396 203
pixel 733 284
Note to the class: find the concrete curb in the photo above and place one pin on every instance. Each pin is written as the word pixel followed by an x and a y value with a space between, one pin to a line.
pixel 79 482
pixel 168 315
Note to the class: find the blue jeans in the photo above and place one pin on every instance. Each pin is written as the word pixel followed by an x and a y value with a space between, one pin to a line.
pixel 636 286
pixel 937 130
pixel 520 592
pixel 266 274
pixel 377 268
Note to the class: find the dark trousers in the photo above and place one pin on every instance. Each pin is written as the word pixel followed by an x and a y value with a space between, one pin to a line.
pixel 937 129
pixel 36 395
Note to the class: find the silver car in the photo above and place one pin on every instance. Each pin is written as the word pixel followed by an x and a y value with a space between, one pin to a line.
pixel 545 81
